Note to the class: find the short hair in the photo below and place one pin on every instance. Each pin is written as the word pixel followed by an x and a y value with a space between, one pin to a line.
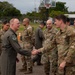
pixel 12 20
pixel 26 19
pixel 61 17
pixel 67 20
pixel 5 22
pixel 42 23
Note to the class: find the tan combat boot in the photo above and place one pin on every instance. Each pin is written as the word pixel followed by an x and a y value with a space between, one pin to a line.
pixel 24 69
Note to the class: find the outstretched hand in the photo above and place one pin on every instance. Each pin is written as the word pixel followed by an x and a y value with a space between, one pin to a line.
pixel 34 52
pixel 62 65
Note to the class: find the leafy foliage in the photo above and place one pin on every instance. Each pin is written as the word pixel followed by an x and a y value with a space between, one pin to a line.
pixel 8 10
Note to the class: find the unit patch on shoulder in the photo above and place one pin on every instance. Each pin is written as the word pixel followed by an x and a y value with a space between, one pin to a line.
pixel 14 38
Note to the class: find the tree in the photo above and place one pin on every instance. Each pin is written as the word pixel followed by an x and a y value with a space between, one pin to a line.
pixel 60 8
pixel 55 13
pixel 8 10
pixel 42 12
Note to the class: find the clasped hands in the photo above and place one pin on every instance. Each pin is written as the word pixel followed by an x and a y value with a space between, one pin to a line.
pixel 35 51
pixel 62 65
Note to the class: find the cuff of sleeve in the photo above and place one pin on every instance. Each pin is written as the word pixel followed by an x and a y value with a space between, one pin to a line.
pixel 41 50
pixel 68 60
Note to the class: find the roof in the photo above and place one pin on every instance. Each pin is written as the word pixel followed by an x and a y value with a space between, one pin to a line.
pixel 70 15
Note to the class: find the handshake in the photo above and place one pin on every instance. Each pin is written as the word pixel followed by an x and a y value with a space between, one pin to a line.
pixel 35 51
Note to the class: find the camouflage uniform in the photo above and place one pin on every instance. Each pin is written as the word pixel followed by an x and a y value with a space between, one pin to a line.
pixel 66 50
pixel 49 50
pixel 27 44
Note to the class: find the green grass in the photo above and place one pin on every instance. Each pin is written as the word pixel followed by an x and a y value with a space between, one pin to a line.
pixel 34 25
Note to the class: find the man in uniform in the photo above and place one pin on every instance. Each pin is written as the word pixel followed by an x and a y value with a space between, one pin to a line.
pixel 65 39
pixel 27 38
pixel 5 27
pixel 39 38
pixel 10 48
pixel 49 50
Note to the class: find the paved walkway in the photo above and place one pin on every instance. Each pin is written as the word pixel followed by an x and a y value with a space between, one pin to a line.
pixel 37 70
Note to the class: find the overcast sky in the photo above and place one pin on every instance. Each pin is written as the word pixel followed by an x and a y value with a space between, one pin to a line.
pixel 28 5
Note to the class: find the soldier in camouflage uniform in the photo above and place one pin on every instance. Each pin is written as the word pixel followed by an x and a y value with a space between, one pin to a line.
pixel 65 39
pixel 27 38
pixel 49 50
pixel 5 27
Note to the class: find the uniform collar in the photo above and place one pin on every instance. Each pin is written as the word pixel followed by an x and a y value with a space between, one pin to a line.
pixel 13 31
pixel 62 31
pixel 50 30
pixel 27 26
